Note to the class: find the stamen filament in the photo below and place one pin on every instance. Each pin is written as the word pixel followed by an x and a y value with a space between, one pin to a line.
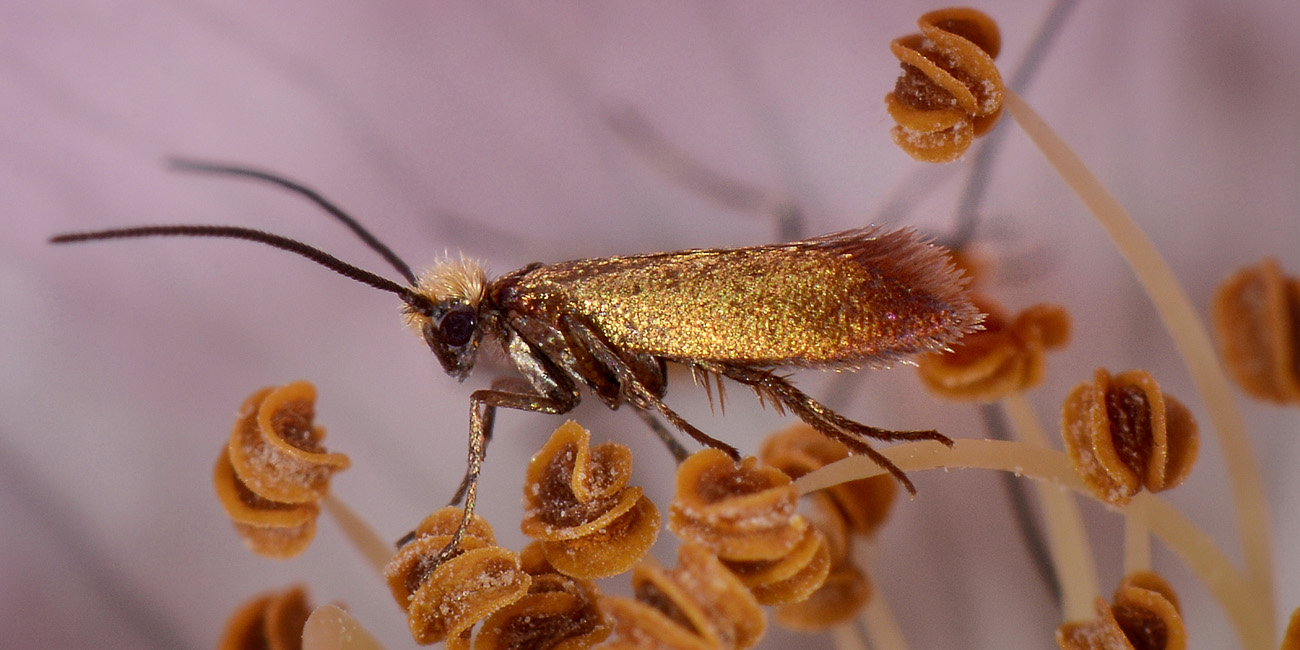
pixel 1244 605
pixel 880 623
pixel 1137 538
pixel 365 540
pixel 1076 570
pixel 1190 337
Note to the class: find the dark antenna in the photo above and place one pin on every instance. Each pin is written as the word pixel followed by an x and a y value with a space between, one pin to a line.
pixel 416 301
pixel 181 164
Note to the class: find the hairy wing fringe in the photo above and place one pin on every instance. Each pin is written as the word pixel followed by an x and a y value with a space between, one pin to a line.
pixel 914 260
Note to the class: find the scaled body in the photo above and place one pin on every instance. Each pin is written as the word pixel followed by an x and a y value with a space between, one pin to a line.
pixel 848 299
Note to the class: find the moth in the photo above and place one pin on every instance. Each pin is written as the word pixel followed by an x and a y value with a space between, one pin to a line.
pixel 858 298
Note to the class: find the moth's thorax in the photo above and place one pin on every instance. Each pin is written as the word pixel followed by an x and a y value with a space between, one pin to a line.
pixel 449 281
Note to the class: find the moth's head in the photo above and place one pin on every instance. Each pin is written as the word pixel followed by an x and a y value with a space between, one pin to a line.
pixel 445 307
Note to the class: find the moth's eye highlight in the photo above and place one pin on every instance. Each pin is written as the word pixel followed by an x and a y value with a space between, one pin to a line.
pixel 457 327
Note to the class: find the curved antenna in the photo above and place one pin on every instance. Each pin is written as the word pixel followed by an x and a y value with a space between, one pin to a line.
pixel 416 301
pixel 181 164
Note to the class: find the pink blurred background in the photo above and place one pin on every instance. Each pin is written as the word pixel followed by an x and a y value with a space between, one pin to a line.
pixel 480 127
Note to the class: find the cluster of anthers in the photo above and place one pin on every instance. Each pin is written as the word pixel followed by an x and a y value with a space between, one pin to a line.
pixel 744 546
pixel 587 523
pixel 559 611
pixel 1142 615
pixel 745 514
pixel 1007 356
pixel 1257 317
pixel 950 91
pixel 274 470
pixel 444 601
pixel 1122 433
pixel 699 605
pixel 271 621
pixel 577 504
pixel 841 512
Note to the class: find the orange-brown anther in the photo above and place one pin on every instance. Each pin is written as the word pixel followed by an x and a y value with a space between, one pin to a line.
pixel 699 605
pixel 270 621
pixel 1257 319
pixel 413 563
pixel 558 613
pixel 1122 434
pixel 446 520
pixel 790 578
pixel 950 91
pixel 746 514
pixel 1144 616
pixel 443 602
pixel 741 512
pixel 1291 640
pixel 845 589
pixel 578 504
pixel 274 469
pixel 270 529
pixel 837 512
pixel 1006 357
pixel 837 601
pixel 276 449
pixel 863 504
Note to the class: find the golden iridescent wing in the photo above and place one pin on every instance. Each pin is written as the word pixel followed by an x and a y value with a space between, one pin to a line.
pixel 848 299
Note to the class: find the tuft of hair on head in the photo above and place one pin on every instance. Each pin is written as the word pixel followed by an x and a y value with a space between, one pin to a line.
pixel 456 279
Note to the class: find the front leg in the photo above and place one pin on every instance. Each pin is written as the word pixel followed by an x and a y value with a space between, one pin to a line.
pixel 482 412
pixel 544 389
pixel 500 384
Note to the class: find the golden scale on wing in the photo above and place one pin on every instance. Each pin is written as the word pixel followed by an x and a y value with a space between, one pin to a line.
pixel 861 297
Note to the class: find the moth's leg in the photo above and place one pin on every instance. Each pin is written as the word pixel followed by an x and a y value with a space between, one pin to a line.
pixel 650 373
pixel 544 388
pixel 707 380
pixel 483 406
pixel 637 393
pixel 810 410
pixel 506 384
pixel 665 436
pixel 539 348
pixel 825 420
pixel 571 355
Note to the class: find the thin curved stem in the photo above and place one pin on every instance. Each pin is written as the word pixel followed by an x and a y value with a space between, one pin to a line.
pixel 881 624
pixel 1244 605
pixel 368 543
pixel 1066 535
pixel 1137 538
pixel 1190 337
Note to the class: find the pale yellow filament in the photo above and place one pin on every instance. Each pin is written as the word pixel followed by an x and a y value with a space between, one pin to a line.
pixel 1066 535
pixel 368 543
pixel 1189 336
pixel 1243 605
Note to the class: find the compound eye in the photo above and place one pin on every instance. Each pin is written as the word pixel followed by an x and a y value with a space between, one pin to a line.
pixel 457 327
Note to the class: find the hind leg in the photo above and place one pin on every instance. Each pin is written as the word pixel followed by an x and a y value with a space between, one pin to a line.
pixel 826 421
